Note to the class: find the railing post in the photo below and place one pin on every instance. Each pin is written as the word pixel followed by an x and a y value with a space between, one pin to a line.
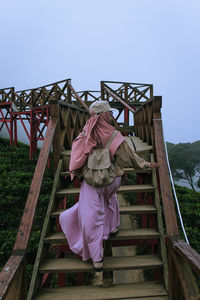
pixel 126 111
pixel 69 92
pixel 55 113
pixel 102 91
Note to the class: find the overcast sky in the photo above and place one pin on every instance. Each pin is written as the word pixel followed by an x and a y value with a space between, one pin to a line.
pixel 147 41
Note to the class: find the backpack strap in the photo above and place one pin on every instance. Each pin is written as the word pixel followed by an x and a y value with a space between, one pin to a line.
pixel 107 146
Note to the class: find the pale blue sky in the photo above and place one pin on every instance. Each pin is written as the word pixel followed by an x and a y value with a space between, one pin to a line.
pixel 148 41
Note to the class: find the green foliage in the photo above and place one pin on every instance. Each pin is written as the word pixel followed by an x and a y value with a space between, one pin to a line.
pixel 185 160
pixel 16 175
pixel 189 202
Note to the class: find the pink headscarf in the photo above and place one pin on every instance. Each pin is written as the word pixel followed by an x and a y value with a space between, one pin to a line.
pixel 96 131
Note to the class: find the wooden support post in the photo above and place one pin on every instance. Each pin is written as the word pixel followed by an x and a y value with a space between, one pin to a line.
pixel 102 91
pixel 11 126
pixel 55 113
pixel 126 111
pixel 107 276
pixel 69 93
pixel 12 279
pixel 15 131
pixel 33 134
pixel 185 287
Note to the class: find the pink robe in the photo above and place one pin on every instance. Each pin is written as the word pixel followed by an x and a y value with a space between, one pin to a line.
pixel 90 221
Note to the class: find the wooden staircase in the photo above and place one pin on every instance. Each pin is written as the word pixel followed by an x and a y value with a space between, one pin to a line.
pixel 58 273
pixel 52 261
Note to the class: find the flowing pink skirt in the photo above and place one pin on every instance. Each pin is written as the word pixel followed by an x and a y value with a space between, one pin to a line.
pixel 90 221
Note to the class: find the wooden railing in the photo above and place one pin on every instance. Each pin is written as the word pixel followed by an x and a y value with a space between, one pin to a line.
pixel 71 121
pixel 90 96
pixel 181 256
pixel 6 95
pixel 28 99
pixel 132 93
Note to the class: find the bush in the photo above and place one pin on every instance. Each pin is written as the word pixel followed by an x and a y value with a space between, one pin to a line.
pixel 189 202
pixel 16 176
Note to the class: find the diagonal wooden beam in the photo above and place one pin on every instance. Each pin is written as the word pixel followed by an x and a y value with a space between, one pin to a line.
pixel 78 97
pixel 113 95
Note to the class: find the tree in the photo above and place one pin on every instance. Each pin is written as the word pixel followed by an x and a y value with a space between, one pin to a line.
pixel 185 160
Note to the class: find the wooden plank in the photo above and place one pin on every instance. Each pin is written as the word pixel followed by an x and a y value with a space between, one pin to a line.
pixel 125 129
pixel 139 233
pixel 144 289
pixel 138 209
pixel 140 145
pixel 148 298
pixel 34 192
pixel 135 188
pixel 126 171
pixel 109 264
pixel 133 209
pixel 66 152
pixel 122 190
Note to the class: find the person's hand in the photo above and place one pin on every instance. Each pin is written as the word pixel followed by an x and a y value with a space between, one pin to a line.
pixel 154 165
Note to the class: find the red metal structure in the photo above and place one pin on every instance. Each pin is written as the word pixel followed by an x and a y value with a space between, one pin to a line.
pixel 30 107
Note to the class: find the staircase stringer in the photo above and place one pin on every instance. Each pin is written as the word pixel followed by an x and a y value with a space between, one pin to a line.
pixel 43 248
pixel 163 251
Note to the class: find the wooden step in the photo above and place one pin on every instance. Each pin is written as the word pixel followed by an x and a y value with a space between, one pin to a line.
pixel 125 129
pixel 136 291
pixel 140 145
pixel 124 210
pixel 66 153
pixel 148 298
pixel 110 263
pixel 126 170
pixel 124 189
pixel 130 234
pixel 138 209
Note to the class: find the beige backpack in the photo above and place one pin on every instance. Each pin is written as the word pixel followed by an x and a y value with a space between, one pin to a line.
pixel 99 170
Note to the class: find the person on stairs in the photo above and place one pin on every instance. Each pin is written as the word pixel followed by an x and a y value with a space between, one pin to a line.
pixel 96 215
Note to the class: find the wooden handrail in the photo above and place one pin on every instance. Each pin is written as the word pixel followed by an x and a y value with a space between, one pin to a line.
pixel 44 86
pixel 164 179
pixel 134 83
pixel 24 231
pixel 158 144
pixel 187 253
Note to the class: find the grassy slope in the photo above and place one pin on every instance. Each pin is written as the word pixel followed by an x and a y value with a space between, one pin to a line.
pixel 16 172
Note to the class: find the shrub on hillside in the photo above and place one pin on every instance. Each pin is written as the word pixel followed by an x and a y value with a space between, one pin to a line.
pixel 16 175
